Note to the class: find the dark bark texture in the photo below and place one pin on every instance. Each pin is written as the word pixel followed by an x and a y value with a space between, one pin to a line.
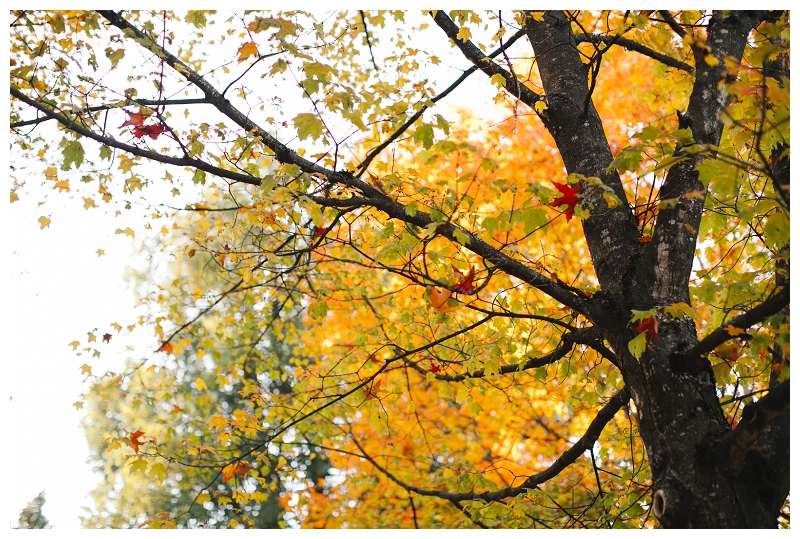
pixel 705 474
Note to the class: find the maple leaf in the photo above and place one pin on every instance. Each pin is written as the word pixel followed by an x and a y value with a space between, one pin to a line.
pixel 649 327
pixel 135 442
pixel 43 222
pixel 166 347
pixel 247 50
pixel 569 196
pixel 434 368
pixel 372 392
pixel 465 286
pixel 74 345
pixel 107 337
pixel 439 299
pixel 152 131
pixel 136 119
pixel 230 471
pixel 86 369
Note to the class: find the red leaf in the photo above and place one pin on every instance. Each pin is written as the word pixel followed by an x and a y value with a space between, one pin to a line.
pixel 107 337
pixel 135 442
pixel 151 131
pixel 319 231
pixel 434 368
pixel 569 196
pixel 465 286
pixel 649 327
pixel 135 119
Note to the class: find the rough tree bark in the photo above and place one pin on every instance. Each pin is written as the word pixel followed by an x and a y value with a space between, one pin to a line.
pixel 705 475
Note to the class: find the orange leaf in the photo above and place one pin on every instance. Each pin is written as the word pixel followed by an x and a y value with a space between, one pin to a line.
pixel 166 348
pixel 230 471
pixel 135 441
pixel 372 392
pixel 439 298
pixel 247 50
pixel 135 119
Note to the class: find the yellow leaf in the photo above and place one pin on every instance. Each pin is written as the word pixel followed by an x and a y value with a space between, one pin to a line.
pixel 203 498
pixel 711 60
pixel 92 337
pixel 51 173
pixel 100 252
pixel 88 203
pixel 74 345
pixel 14 196
pixel 464 34
pixel 62 185
pixel 127 232
pixel 200 383
pixel 540 106
pixel 86 369
pixel 78 405
pixel 43 222
pixel 247 50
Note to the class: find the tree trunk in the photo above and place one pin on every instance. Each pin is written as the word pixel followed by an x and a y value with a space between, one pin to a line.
pixel 705 474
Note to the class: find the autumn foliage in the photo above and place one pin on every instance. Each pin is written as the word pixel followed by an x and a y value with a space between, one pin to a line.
pixel 367 309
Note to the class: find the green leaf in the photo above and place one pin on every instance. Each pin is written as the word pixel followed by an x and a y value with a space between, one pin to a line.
pixel 498 80
pixel 138 465
pixel 424 135
pixel 318 310
pixel 308 125
pixel 491 366
pixel 195 17
pixel 73 153
pixel 158 472
pixel 776 231
pixel 637 346
pixel 534 218
pixel 461 237
pixel 628 159
pixel 474 409
pixel 199 177
pixel 115 56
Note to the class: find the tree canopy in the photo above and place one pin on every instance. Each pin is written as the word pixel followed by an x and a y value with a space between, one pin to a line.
pixel 376 303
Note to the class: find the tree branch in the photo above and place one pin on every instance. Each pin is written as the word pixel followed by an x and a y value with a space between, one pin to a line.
pixel 755 418
pixel 99 108
pixel 134 150
pixel 373 153
pixel 743 321
pixel 484 63
pixel 634 47
pixel 672 23
pixel 586 441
